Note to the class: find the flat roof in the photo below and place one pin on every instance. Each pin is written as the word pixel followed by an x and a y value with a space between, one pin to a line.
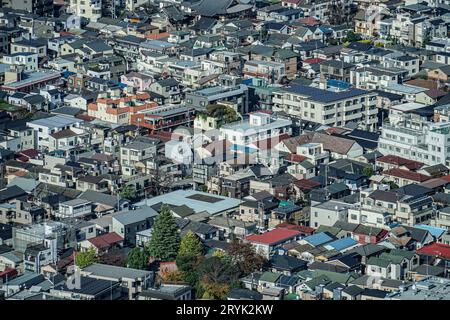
pixel 108 271
pixel 196 200
pixel 57 121
pixel 35 77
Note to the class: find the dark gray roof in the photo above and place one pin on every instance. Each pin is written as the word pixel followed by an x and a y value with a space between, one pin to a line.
pixel 12 192
pixel 353 290
pixel 100 198
pixel 210 8
pixel 244 294
pixel 287 263
pixel 67 111
pixel 325 96
pixel 381 195
pixel 368 249
pixel 89 286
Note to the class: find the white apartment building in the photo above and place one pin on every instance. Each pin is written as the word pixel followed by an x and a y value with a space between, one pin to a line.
pixel 374 78
pixel 136 151
pixel 89 9
pixel 28 60
pixel 378 218
pixel 45 127
pixel 417 140
pixel 260 126
pixel 328 107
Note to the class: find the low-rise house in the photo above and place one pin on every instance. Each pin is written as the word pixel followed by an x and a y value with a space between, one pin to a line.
pixel 268 242
pixel 90 289
pixel 167 292
pixel 127 223
pixel 288 265
pixel 102 243
pixel 132 281
pixel 232 227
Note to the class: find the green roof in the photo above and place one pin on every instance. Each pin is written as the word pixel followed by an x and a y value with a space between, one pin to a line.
pixel 321 279
pixel 269 276
pixel 397 256
pixel 374 261
pixel 292 296
pixel 305 274
pixel 8 107
pixel 285 203
pixel 336 276
pixel 285 54
pixel 332 230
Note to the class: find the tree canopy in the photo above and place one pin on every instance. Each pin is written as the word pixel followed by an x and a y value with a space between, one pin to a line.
pixel 137 258
pixel 244 256
pixel 84 259
pixel 165 240
pixel 190 245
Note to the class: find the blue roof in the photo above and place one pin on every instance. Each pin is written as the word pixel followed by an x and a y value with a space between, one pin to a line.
pixel 434 231
pixel 338 84
pixel 341 244
pixel 318 239
pixel 67 74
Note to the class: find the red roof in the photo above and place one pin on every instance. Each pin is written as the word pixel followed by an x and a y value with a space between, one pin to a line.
pixel 335 130
pixel 399 161
pixel 267 144
pixel 307 184
pixel 85 117
pixel 295 158
pixel 313 60
pixel 274 236
pixel 30 153
pixel 436 249
pixel 405 174
pixel 105 240
pixel 10 272
pixel 309 21
pixel 290 226
pixel 446 178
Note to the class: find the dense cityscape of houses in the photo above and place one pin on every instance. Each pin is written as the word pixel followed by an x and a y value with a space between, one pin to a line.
pixel 276 150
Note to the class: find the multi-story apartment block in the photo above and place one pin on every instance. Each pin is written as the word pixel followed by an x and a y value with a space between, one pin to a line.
pixel 89 9
pixel 38 7
pixel 28 60
pixel 260 126
pixel 269 70
pixel 237 94
pixel 374 78
pixel 120 110
pixel 136 151
pixel 164 118
pixel 421 141
pixel 334 108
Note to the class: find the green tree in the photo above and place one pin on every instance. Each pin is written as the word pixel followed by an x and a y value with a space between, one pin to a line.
pixel 367 171
pixel 216 277
pixel 352 37
pixel 189 265
pixel 218 270
pixel 244 256
pixel 165 240
pixel 190 245
pixel 393 185
pixel 84 259
pixel 137 258
pixel 128 192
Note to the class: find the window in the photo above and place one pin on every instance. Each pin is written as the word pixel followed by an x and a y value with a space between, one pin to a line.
pixel 353 217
